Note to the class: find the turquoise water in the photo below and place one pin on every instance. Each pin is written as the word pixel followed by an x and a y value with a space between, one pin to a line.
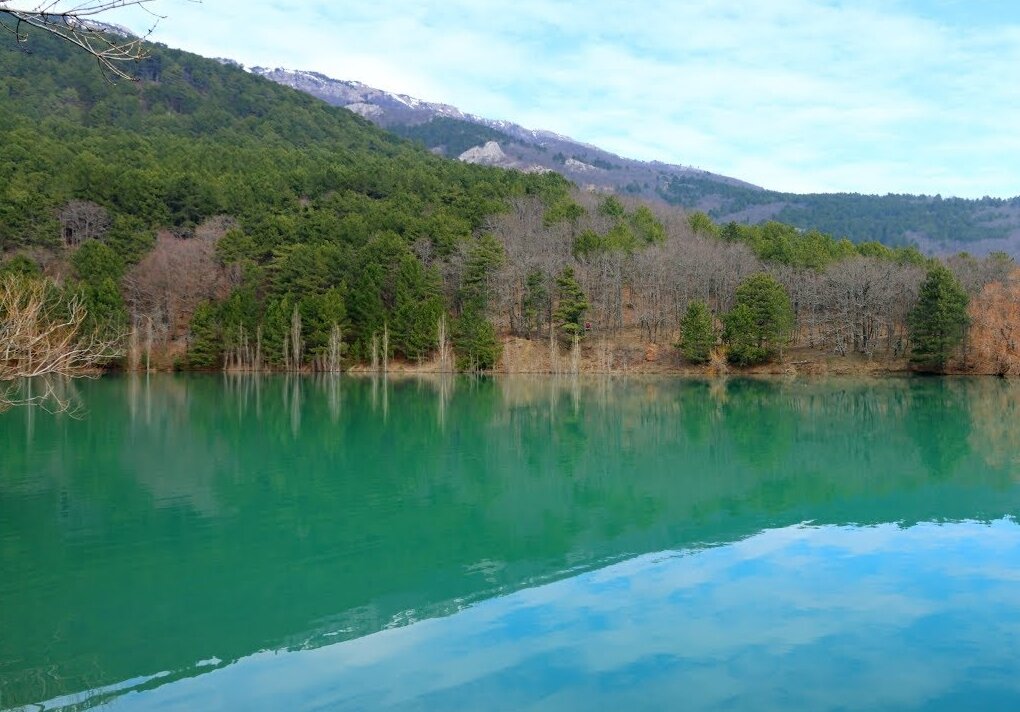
pixel 204 542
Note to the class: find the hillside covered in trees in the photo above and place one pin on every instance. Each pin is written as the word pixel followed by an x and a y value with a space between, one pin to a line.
pixel 213 219
pixel 935 224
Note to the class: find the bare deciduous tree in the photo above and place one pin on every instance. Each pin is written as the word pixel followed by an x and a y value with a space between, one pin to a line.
pixel 171 281
pixel 82 220
pixel 44 336
pixel 79 22
pixel 975 273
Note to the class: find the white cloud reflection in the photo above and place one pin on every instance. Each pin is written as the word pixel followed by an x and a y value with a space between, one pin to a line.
pixel 797 618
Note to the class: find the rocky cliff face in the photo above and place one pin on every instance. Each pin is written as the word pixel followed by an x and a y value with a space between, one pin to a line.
pixel 489 154
pixel 383 107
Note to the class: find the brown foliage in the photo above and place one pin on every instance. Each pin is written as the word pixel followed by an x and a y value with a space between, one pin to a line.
pixel 993 343
pixel 172 280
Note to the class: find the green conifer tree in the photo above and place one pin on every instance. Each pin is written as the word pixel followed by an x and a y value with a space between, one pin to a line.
pixel 418 307
pixel 697 333
pixel 571 304
pixel 759 324
pixel 475 341
pixel 205 345
pixel 938 322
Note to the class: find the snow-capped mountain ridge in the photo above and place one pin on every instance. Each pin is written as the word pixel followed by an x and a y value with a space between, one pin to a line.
pixel 355 92
pixel 520 148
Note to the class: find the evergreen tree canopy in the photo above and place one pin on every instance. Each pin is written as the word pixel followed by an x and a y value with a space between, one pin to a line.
pixel 571 304
pixel 536 301
pixel 939 320
pixel 475 341
pixel 697 333
pixel 759 324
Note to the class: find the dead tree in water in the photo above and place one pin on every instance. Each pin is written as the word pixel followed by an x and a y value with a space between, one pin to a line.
pixel 296 345
pixel 445 357
pixel 335 349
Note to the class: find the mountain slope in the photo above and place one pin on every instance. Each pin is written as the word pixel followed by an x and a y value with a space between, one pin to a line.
pixel 434 123
pixel 318 209
pixel 935 224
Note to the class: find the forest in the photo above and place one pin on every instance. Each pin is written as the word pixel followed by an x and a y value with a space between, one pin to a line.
pixel 207 218
pixel 891 219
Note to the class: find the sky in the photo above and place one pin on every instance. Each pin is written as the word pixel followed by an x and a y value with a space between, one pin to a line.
pixel 901 96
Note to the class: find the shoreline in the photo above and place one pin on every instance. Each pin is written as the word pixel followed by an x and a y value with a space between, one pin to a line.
pixel 620 357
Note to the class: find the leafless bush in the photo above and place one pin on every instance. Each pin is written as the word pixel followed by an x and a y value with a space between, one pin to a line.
pixel 42 336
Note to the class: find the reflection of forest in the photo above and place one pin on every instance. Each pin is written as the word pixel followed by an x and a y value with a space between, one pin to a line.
pixel 187 518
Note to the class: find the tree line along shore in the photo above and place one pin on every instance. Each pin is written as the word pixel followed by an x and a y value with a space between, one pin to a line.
pixel 204 218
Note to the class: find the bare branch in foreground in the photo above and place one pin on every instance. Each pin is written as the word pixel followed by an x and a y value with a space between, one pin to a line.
pixel 76 22
pixel 44 339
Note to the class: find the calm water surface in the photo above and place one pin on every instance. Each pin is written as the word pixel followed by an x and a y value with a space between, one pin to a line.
pixel 203 543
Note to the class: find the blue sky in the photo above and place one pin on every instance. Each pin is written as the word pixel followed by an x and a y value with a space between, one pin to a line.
pixel 803 95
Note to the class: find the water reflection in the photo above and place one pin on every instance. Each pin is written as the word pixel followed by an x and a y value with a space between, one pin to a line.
pixel 794 618
pixel 189 519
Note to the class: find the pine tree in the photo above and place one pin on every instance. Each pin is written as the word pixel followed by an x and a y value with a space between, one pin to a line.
pixel 276 331
pixel 697 333
pixel 205 346
pixel 760 322
pixel 474 337
pixel 739 333
pixel 938 322
pixel 647 227
pixel 474 341
pixel 536 302
pixel 612 207
pixel 571 303
pixel 365 308
pixel 321 314
pixel 483 259
pixel 419 305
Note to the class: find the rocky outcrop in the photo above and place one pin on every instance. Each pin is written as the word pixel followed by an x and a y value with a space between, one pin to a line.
pixel 368 111
pixel 580 166
pixel 488 155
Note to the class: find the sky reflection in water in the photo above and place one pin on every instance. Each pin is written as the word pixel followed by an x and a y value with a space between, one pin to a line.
pixel 205 543
pixel 803 617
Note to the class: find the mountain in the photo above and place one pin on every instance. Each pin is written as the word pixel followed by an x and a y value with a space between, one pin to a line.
pixel 227 221
pixel 447 130
pixel 213 205
pixel 933 223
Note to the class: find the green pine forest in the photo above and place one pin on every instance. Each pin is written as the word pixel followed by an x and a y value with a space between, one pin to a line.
pixel 341 241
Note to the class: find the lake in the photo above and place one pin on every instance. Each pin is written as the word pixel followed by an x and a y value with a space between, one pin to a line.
pixel 207 542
